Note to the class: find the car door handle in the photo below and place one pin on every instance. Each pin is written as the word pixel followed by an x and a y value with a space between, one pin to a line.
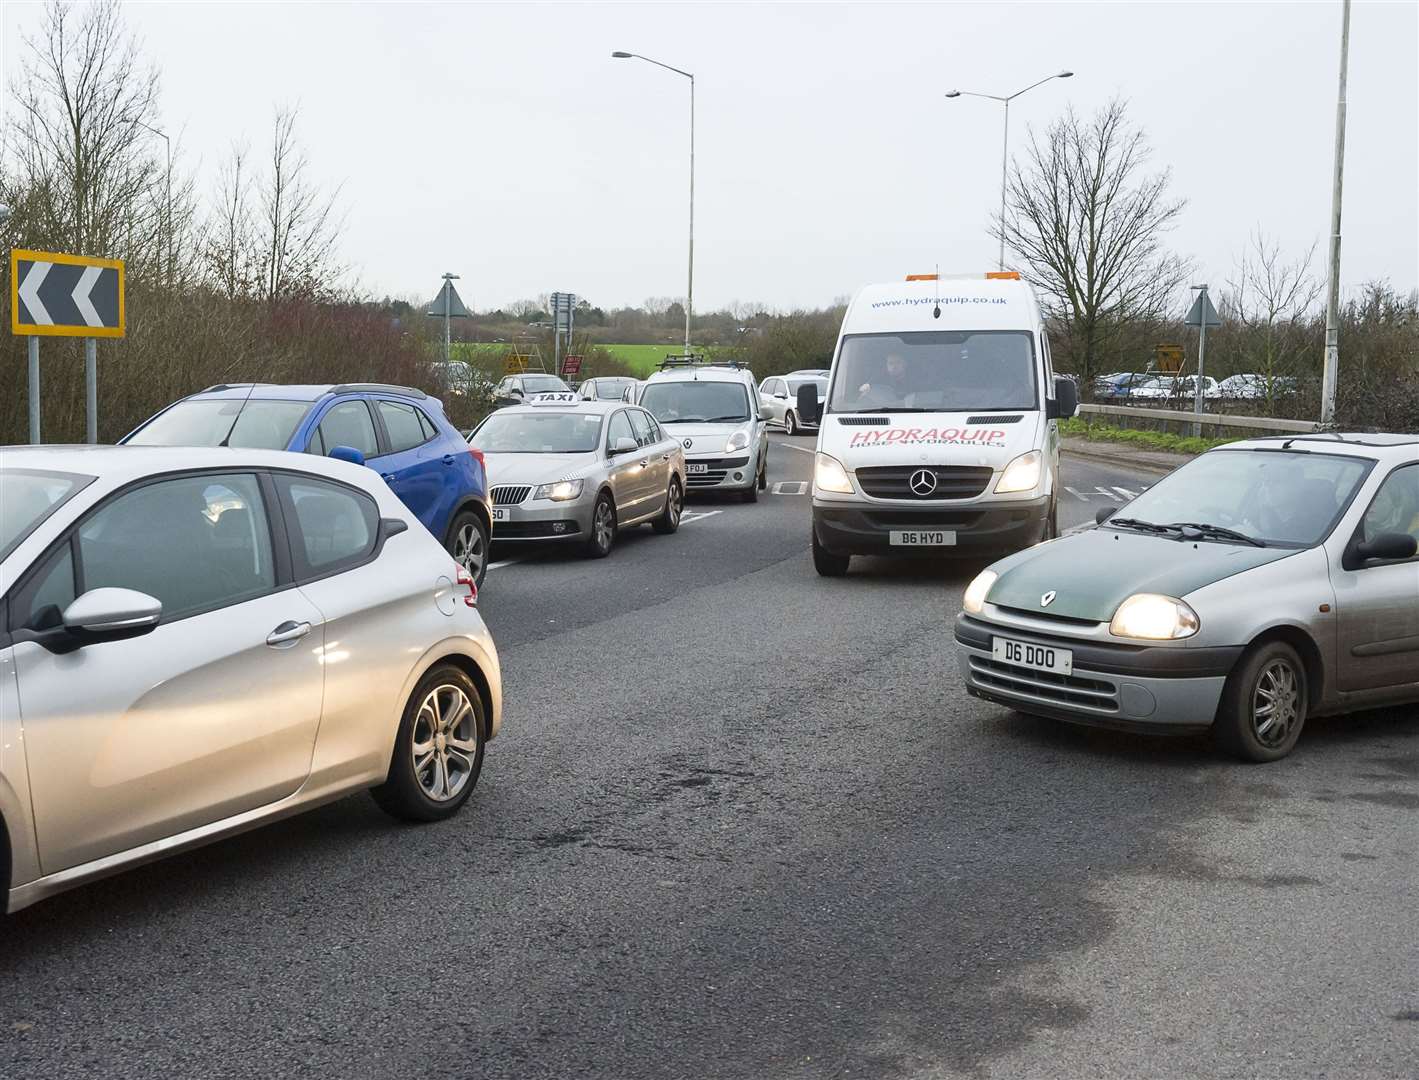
pixel 288 633
pixel 645 462
pixel 448 459
pixel 388 477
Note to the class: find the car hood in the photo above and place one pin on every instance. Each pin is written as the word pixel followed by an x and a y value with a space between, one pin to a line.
pixel 1091 573
pixel 702 438
pixel 506 469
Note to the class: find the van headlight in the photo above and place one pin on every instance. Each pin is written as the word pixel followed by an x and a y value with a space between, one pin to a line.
pixel 829 475
pixel 977 590
pixel 737 441
pixel 1154 618
pixel 1022 474
pixel 559 491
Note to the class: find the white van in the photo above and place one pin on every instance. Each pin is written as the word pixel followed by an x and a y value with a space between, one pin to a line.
pixel 939 433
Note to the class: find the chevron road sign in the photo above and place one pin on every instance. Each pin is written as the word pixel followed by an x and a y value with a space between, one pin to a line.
pixel 65 295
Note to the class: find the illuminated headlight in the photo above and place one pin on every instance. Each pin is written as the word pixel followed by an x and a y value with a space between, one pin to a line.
pixel 1022 474
pixel 829 475
pixel 560 491
pixel 1154 618
pixel 977 590
pixel 738 441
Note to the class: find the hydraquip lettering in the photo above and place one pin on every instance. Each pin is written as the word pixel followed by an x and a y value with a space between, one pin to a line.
pixel 893 436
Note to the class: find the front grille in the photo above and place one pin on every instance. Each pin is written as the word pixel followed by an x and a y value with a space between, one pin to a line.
pixel 975 421
pixel 1066 620
pixel 1071 690
pixel 915 519
pixel 952 481
pixel 862 421
pixel 510 496
pixel 533 530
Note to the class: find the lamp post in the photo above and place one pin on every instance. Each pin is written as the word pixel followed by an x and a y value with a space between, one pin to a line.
pixel 690 283
pixel 1331 371
pixel 1005 142
pixel 167 213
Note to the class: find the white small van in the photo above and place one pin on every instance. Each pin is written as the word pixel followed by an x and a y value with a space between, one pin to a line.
pixel 939 432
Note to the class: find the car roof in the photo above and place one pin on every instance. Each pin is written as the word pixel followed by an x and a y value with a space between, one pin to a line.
pixel 715 372
pixel 302 392
pixel 1382 446
pixel 581 405
pixel 120 464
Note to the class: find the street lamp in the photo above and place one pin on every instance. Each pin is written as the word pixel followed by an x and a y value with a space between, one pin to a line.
pixel 1005 152
pixel 690 285
pixel 168 212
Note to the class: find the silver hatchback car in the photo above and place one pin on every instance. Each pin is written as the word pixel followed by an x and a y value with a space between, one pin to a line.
pixel 196 643
pixel 1263 583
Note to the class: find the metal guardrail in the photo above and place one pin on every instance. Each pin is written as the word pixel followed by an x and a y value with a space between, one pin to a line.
pixel 1260 423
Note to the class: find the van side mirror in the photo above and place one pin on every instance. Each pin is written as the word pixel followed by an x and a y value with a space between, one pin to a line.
pixel 1388 546
pixel 808 403
pixel 347 453
pixel 1065 402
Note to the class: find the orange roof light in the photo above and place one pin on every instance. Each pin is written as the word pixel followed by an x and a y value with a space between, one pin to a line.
pixel 921 277
pixel 1002 275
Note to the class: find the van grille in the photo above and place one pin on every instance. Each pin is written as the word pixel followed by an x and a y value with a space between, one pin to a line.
pixel 952 481
pixel 510 496
pixel 973 421
pixel 1072 690
pixel 862 421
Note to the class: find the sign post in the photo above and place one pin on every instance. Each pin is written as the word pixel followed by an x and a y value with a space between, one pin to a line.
pixel 447 305
pixel 563 320
pixel 1202 315
pixel 58 295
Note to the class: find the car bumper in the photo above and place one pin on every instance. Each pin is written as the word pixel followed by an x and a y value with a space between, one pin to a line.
pixel 1165 690
pixel 720 473
pixel 545 521
pixel 865 528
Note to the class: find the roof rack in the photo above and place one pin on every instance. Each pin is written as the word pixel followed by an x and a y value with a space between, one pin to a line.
pixel 232 386
pixel 377 388
pixel 688 360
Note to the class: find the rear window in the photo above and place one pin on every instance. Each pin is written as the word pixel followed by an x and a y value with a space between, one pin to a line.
pixel 542 384
pixel 27 497
pixel 248 425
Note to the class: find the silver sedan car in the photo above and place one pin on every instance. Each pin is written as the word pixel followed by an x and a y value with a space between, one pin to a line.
pixel 197 643
pixel 565 469
pixel 1266 582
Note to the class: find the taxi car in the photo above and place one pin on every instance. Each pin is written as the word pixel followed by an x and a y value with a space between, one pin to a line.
pixel 568 469
pixel 1263 583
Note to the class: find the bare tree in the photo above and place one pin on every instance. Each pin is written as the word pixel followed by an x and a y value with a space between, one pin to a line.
pixel 1272 300
pixel 231 247
pixel 299 222
pixel 1087 224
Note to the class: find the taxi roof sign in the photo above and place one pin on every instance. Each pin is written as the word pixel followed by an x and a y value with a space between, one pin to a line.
pixel 554 397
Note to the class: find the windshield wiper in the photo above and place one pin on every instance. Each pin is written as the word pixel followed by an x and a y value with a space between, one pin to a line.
pixel 686 420
pixel 1142 526
pixel 725 419
pixel 1219 532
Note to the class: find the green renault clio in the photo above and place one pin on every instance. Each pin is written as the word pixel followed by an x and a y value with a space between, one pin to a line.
pixel 1265 582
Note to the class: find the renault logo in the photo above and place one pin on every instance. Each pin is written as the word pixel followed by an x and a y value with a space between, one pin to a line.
pixel 923 482
pixel 689 443
pixel 1047 599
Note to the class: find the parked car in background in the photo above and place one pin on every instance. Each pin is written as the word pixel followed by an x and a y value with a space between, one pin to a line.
pixel 197 643
pixel 1248 387
pixel 1176 388
pixel 398 431
pixel 779 396
pixel 1124 385
pixel 515 389
pixel 605 388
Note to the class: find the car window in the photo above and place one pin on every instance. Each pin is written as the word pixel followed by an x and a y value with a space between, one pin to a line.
pixel 401 424
pixel 347 424
pixel 429 428
pixel 237 422
pixel 542 384
pixel 700 401
pixel 640 424
pixel 334 527
pixel 1395 507
pixel 657 433
pixel 619 428
pixel 195 543
pixel 27 497
pixel 40 604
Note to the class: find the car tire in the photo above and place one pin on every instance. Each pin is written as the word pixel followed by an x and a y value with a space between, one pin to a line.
pixel 1051 522
pixel 764 469
pixel 1267 688
pixel 438 750
pixel 790 423
pixel 669 521
pixel 603 528
pixel 827 563
pixel 468 542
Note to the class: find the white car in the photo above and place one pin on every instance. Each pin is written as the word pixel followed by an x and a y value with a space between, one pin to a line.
pixel 779 397
pixel 201 641
pixel 713 410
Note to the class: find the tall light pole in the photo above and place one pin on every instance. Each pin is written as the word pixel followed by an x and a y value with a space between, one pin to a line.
pixel 1005 142
pixel 168 212
pixel 690 285
pixel 1331 375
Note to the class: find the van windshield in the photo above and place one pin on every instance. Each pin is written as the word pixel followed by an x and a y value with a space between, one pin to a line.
pixel 936 371
pixel 697 402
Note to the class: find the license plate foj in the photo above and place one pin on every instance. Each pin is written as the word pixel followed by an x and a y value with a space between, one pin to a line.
pixel 1027 654
pixel 922 538
pixel 693 467
pixel 501 515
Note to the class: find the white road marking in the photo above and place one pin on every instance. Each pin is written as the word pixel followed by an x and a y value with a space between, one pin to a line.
pixel 1127 495
pixel 791 487
pixel 502 562
pixel 801 449
pixel 686 518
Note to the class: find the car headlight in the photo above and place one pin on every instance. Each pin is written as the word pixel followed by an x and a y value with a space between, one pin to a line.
pixel 829 475
pixel 559 491
pixel 1154 618
pixel 737 441
pixel 976 591
pixel 1022 474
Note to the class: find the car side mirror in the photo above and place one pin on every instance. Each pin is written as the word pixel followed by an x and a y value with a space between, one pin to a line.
pixel 624 445
pixel 347 453
pixel 514 392
pixel 1104 513
pixel 808 403
pixel 110 615
pixel 764 414
pixel 1065 402
pixel 1388 546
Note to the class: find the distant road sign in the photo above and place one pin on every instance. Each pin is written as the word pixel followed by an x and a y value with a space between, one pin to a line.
pixel 571 365
pixel 516 365
pixel 1168 358
pixel 57 295
pixel 1202 310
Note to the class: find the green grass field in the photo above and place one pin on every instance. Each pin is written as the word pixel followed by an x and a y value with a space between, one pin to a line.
pixel 641 359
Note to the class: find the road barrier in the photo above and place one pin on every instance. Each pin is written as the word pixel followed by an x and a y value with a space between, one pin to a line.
pixel 1261 423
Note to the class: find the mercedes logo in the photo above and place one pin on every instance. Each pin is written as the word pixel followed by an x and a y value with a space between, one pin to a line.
pixel 689 443
pixel 1047 599
pixel 923 482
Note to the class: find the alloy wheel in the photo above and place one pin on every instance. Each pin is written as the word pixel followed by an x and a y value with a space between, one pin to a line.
pixel 469 550
pixel 1276 703
pixel 677 503
pixel 444 745
pixel 603 525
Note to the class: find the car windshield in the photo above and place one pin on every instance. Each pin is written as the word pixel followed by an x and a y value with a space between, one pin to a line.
pixel 1279 497
pixel 538 433
pixel 940 371
pixel 27 497
pixel 542 384
pixel 250 425
pixel 794 384
pixel 611 389
pixel 700 401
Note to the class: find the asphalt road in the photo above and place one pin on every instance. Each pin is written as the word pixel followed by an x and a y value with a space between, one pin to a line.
pixel 743 822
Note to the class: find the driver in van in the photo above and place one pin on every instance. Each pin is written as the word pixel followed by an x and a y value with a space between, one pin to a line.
pixel 893 386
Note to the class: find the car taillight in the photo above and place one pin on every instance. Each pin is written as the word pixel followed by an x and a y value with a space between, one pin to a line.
pixel 478 457
pixel 465 578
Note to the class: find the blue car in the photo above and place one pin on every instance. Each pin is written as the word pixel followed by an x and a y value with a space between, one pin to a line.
pixel 399 432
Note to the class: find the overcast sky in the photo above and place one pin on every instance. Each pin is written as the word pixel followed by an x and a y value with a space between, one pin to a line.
pixel 503 143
